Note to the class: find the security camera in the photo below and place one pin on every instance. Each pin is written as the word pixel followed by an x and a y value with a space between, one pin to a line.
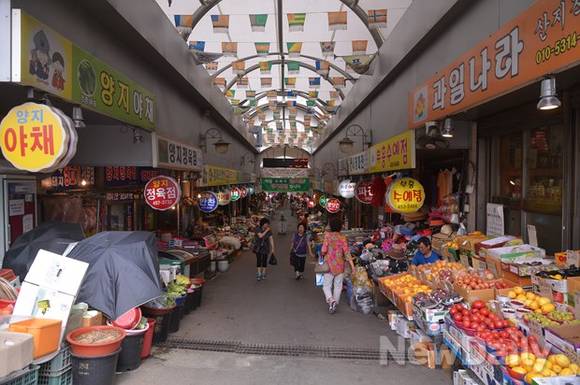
pixel 432 128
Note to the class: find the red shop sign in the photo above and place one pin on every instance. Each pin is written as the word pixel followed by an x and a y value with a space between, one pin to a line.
pixel 243 192
pixel 162 193
pixel 364 192
pixel 333 205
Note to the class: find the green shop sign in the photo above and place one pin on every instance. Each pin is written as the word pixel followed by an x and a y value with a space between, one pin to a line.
pixel 52 63
pixel 285 184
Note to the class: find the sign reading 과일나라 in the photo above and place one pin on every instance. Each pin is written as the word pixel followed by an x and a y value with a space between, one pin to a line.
pixel 364 192
pixel 333 205
pixel 208 202
pixel 544 39
pixel 405 195
pixel 162 193
pixel 396 153
pixel 33 137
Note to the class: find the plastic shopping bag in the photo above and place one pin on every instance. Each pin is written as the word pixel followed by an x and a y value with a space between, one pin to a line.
pixel 319 279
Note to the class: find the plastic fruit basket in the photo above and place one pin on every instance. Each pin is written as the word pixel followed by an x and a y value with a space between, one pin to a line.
pixel 60 362
pixel 63 377
pixel 46 333
pixel 28 376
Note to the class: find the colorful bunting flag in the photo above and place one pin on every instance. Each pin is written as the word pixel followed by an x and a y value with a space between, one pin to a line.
pixel 337 20
pixel 290 94
pixel 198 46
pixel 211 67
pixel 294 48
pixel 377 18
pixel 322 67
pixel 258 22
pixel 314 82
pixel 266 82
pixel 219 82
pixel 276 115
pixel 235 102
pixel 292 104
pixel 331 105
pixel 290 82
pixel 230 93
pixel 250 94
pixel 262 48
pixel 265 67
pixel 296 22
pixel 292 111
pixel 334 95
pixel 221 23
pixel 272 95
pixel 293 125
pixel 279 125
pixel 359 63
pixel 359 47
pixel 184 24
pixel 293 67
pixel 312 94
pixel 243 82
pixel 238 67
pixel 229 48
pixel 327 48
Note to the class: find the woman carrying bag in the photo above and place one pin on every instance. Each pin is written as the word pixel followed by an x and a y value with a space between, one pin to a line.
pixel 336 253
pixel 300 250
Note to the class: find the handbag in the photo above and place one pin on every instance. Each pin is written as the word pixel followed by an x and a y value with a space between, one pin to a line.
pixel 321 267
pixel 273 261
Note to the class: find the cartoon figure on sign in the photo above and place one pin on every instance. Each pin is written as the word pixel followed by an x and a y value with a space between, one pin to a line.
pixel 40 56
pixel 420 104
pixel 58 70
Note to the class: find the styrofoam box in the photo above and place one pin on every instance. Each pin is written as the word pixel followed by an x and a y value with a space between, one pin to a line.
pixel 15 351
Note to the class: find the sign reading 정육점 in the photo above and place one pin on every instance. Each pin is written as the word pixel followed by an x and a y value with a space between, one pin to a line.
pixel 542 40
pixel 33 137
pixel 333 205
pixel 406 195
pixel 208 202
pixel 364 192
pixel 162 193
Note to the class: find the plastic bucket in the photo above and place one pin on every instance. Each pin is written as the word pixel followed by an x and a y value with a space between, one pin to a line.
pixel 175 318
pixel 94 370
pixel 189 301
pixel 148 338
pixel 197 296
pixel 130 356
pixel 161 329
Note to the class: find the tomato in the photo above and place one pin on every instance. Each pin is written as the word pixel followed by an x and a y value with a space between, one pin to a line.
pixel 484 312
pixel 453 311
pixel 457 317
pixel 466 324
pixel 505 334
pixel 478 304
pixel 505 323
pixel 498 324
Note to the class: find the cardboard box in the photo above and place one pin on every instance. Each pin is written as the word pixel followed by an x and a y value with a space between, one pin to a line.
pixel 468 242
pixel 495 243
pixel 504 292
pixel 478 263
pixel 471 296
pixel 558 290
pixel 567 258
pixel 510 253
pixel 403 327
pixel 566 339
pixel 15 352
pixel 519 281
pixel 564 380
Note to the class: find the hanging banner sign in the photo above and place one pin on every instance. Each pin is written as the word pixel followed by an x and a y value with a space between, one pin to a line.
pixel 162 193
pixel 176 156
pixel 219 176
pixel 46 60
pixel 235 194
pixel 346 189
pixel 223 198
pixel 333 205
pixel 285 185
pixel 208 202
pixel 542 40
pixel 69 177
pixel 354 165
pixel 33 137
pixel 323 200
pixel 396 153
pixel 405 195
pixel 364 192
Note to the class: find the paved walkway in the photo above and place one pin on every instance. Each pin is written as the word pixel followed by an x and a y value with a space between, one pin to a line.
pixel 279 311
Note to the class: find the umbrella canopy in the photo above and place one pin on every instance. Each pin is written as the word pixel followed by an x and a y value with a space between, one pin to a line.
pixel 123 271
pixel 50 236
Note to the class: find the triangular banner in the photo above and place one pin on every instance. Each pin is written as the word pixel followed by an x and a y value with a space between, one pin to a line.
pixel 230 48
pixel 377 18
pixel 266 82
pixel 327 48
pixel 359 47
pixel 258 22
pixel 293 67
pixel 294 48
pixel 262 48
pixel 239 67
pixel 314 82
pixel 184 25
pixel 265 67
pixel 198 46
pixel 359 63
pixel 220 23
pixel 337 20
pixel 322 67
pixel 296 22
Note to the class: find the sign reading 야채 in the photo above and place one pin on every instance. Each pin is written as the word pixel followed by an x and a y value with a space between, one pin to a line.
pixel 285 185
pixel 162 193
pixel 33 137
pixel 542 40
pixel 396 153
pixel 405 195
pixel 52 63
pixel 208 202
pixel 174 155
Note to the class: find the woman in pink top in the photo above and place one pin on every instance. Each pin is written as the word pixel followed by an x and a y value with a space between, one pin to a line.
pixel 336 253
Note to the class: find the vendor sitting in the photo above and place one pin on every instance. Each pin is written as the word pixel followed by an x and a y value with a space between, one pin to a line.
pixel 425 254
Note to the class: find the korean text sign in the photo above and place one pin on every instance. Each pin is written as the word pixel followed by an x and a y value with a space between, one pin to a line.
pixel 364 192
pixel 285 185
pixel 406 195
pixel 208 202
pixel 396 153
pixel 32 137
pixel 175 155
pixel 219 176
pixel 333 205
pixel 542 40
pixel 54 64
pixel 162 193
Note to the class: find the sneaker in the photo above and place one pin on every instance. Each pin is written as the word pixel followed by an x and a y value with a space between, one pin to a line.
pixel 332 307
pixel 301 276
pixel 263 276
pixel 258 277
pixel 297 276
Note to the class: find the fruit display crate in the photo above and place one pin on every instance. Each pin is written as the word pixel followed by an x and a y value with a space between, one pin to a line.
pixel 63 377
pixel 28 376
pixel 60 362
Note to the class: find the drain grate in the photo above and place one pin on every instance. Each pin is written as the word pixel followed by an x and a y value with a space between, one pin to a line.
pixel 237 347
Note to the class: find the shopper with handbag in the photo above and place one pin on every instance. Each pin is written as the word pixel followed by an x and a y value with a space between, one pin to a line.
pixel 263 247
pixel 300 250
pixel 336 254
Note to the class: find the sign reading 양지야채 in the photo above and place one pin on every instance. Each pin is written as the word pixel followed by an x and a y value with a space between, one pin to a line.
pixel 208 202
pixel 333 205
pixel 33 137
pixel 406 195
pixel 364 192
pixel 542 40
pixel 162 193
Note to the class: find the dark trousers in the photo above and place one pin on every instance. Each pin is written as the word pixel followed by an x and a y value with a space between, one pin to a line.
pixel 261 260
pixel 299 263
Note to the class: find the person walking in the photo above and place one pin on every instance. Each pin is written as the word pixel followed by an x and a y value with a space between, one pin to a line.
pixel 336 254
pixel 300 250
pixel 263 247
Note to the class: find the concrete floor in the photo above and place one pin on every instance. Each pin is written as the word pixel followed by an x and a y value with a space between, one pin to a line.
pixel 279 310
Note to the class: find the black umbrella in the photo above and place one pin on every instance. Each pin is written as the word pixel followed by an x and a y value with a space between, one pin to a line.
pixel 123 271
pixel 50 236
